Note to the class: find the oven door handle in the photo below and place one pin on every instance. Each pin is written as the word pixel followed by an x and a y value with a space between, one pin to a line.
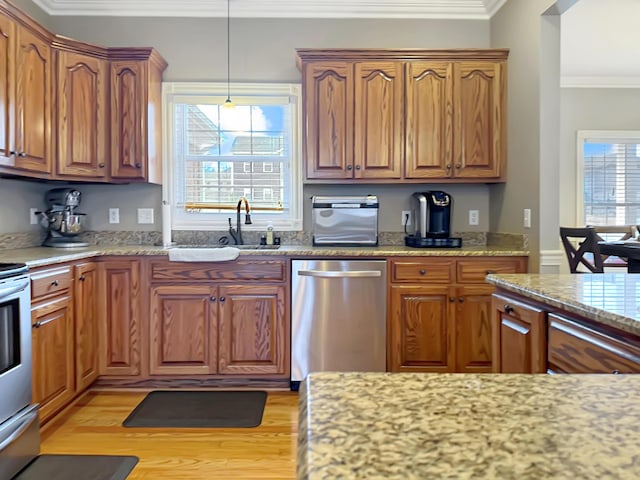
pixel 21 428
pixel 340 273
pixel 5 292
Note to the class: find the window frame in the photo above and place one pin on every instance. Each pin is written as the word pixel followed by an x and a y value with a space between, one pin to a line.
pixel 174 92
pixel 607 136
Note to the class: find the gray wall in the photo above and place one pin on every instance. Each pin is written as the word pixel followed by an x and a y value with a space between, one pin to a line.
pixel 16 197
pixel 590 109
pixel 31 9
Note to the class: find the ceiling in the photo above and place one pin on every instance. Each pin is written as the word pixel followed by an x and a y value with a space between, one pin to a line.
pixel 438 9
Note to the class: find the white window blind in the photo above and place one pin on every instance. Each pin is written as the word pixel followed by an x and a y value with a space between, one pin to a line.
pixel 218 155
pixel 609 178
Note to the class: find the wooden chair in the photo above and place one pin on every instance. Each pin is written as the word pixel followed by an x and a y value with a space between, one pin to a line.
pixel 612 233
pixel 581 246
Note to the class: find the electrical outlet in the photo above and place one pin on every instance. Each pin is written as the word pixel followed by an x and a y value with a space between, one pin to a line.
pixel 145 215
pixel 527 218
pixel 33 216
pixel 114 215
pixel 474 217
pixel 406 218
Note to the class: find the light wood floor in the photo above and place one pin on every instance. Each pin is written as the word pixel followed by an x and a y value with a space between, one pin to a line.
pixel 94 426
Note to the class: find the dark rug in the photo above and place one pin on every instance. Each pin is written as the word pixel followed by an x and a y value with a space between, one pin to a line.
pixel 199 409
pixel 78 467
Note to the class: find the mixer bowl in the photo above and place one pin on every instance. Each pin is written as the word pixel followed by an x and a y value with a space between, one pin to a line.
pixel 72 224
pixel 63 223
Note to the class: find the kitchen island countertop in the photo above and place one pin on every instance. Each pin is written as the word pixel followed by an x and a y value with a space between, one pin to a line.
pixel 39 256
pixel 491 426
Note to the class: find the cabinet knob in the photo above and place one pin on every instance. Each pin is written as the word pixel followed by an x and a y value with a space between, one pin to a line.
pixel 452 299
pixel 138 165
pixel 490 272
pixel 222 299
pixel 82 278
pixel 13 153
pixel 213 299
pixel 423 271
pixel 461 300
pixel 616 372
pixel 101 165
pixel 349 167
pixel 357 167
pixel 458 165
pixel 55 283
pixel 22 154
pixel 448 166
pixel 508 308
pixel 37 325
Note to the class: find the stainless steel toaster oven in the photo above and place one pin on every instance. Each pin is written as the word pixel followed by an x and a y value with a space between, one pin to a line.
pixel 345 220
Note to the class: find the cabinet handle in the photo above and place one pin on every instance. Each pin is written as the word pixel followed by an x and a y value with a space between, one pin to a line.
pixel 508 308
pixel 349 167
pixel 423 272
pixel 37 325
pixel 490 272
pixel 82 278
pixel 616 372
pixel 138 165
pixel 222 299
pixel 213 299
pixel 101 165
pixel 55 283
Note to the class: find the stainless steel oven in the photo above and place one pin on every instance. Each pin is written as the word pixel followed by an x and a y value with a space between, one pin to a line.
pixel 19 437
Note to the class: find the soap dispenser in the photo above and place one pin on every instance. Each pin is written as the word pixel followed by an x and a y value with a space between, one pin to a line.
pixel 269 234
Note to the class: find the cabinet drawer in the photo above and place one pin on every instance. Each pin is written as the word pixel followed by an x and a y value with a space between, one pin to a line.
pixel 576 348
pixel 438 270
pixel 263 270
pixel 49 282
pixel 474 270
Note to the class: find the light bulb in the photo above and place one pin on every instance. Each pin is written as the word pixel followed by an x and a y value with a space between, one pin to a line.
pixel 228 103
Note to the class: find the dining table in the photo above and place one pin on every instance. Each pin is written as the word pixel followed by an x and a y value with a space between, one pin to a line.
pixel 629 249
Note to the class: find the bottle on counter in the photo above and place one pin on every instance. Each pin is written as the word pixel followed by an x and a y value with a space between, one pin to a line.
pixel 270 234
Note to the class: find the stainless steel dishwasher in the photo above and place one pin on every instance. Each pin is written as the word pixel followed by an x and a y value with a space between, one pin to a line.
pixel 338 316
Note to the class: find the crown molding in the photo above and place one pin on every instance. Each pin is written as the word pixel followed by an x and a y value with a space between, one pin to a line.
pixel 423 9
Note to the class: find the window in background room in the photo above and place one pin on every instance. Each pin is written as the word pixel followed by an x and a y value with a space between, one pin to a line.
pixel 216 155
pixel 608 178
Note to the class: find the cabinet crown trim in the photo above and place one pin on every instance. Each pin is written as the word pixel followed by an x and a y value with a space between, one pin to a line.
pixel 310 54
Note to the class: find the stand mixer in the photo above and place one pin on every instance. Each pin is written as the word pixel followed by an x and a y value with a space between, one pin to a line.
pixel 61 220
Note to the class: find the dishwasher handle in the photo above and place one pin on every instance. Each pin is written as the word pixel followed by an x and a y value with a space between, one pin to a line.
pixel 340 273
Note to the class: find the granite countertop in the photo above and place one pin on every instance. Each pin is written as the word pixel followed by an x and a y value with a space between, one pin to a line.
pixel 38 256
pixel 608 298
pixel 492 426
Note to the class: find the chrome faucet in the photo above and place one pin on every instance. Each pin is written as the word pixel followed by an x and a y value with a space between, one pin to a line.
pixel 236 233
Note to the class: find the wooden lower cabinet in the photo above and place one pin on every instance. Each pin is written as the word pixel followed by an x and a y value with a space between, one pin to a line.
pixel 473 329
pixel 119 309
pixel 578 348
pixel 86 324
pixel 519 341
pixel 53 355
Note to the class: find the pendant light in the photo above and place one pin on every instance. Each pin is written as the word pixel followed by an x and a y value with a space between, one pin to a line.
pixel 228 103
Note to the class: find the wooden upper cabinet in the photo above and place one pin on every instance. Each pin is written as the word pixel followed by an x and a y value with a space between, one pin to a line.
pixel 328 129
pixel 7 90
pixel 136 117
pixel 417 115
pixel 82 110
pixel 378 121
pixel 429 120
pixel 479 126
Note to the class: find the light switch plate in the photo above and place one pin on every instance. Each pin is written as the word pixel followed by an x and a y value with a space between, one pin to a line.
pixel 114 215
pixel 474 217
pixel 145 215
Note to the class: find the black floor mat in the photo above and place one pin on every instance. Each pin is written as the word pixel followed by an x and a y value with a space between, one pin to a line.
pixel 199 409
pixel 78 467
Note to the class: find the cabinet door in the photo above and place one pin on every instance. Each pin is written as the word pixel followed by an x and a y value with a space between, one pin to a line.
pixel 519 339
pixel 183 330
pixel 479 126
pixel 429 129
pixel 128 123
pixel 473 329
pixel 86 324
pixel 420 325
pixel 253 330
pixel 378 121
pixel 82 115
pixel 328 126
pixel 33 103
pixel 576 348
pixel 7 90
pixel 119 307
pixel 53 358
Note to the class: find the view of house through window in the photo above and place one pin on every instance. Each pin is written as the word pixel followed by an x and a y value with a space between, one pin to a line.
pixel 219 155
pixel 610 180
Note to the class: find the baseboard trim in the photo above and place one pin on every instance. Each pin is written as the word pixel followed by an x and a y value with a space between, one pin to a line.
pixel 552 261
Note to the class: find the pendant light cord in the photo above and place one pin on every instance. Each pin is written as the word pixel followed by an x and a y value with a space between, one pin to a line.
pixel 228 51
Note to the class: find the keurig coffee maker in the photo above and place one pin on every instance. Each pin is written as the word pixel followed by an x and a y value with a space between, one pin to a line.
pixel 432 216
